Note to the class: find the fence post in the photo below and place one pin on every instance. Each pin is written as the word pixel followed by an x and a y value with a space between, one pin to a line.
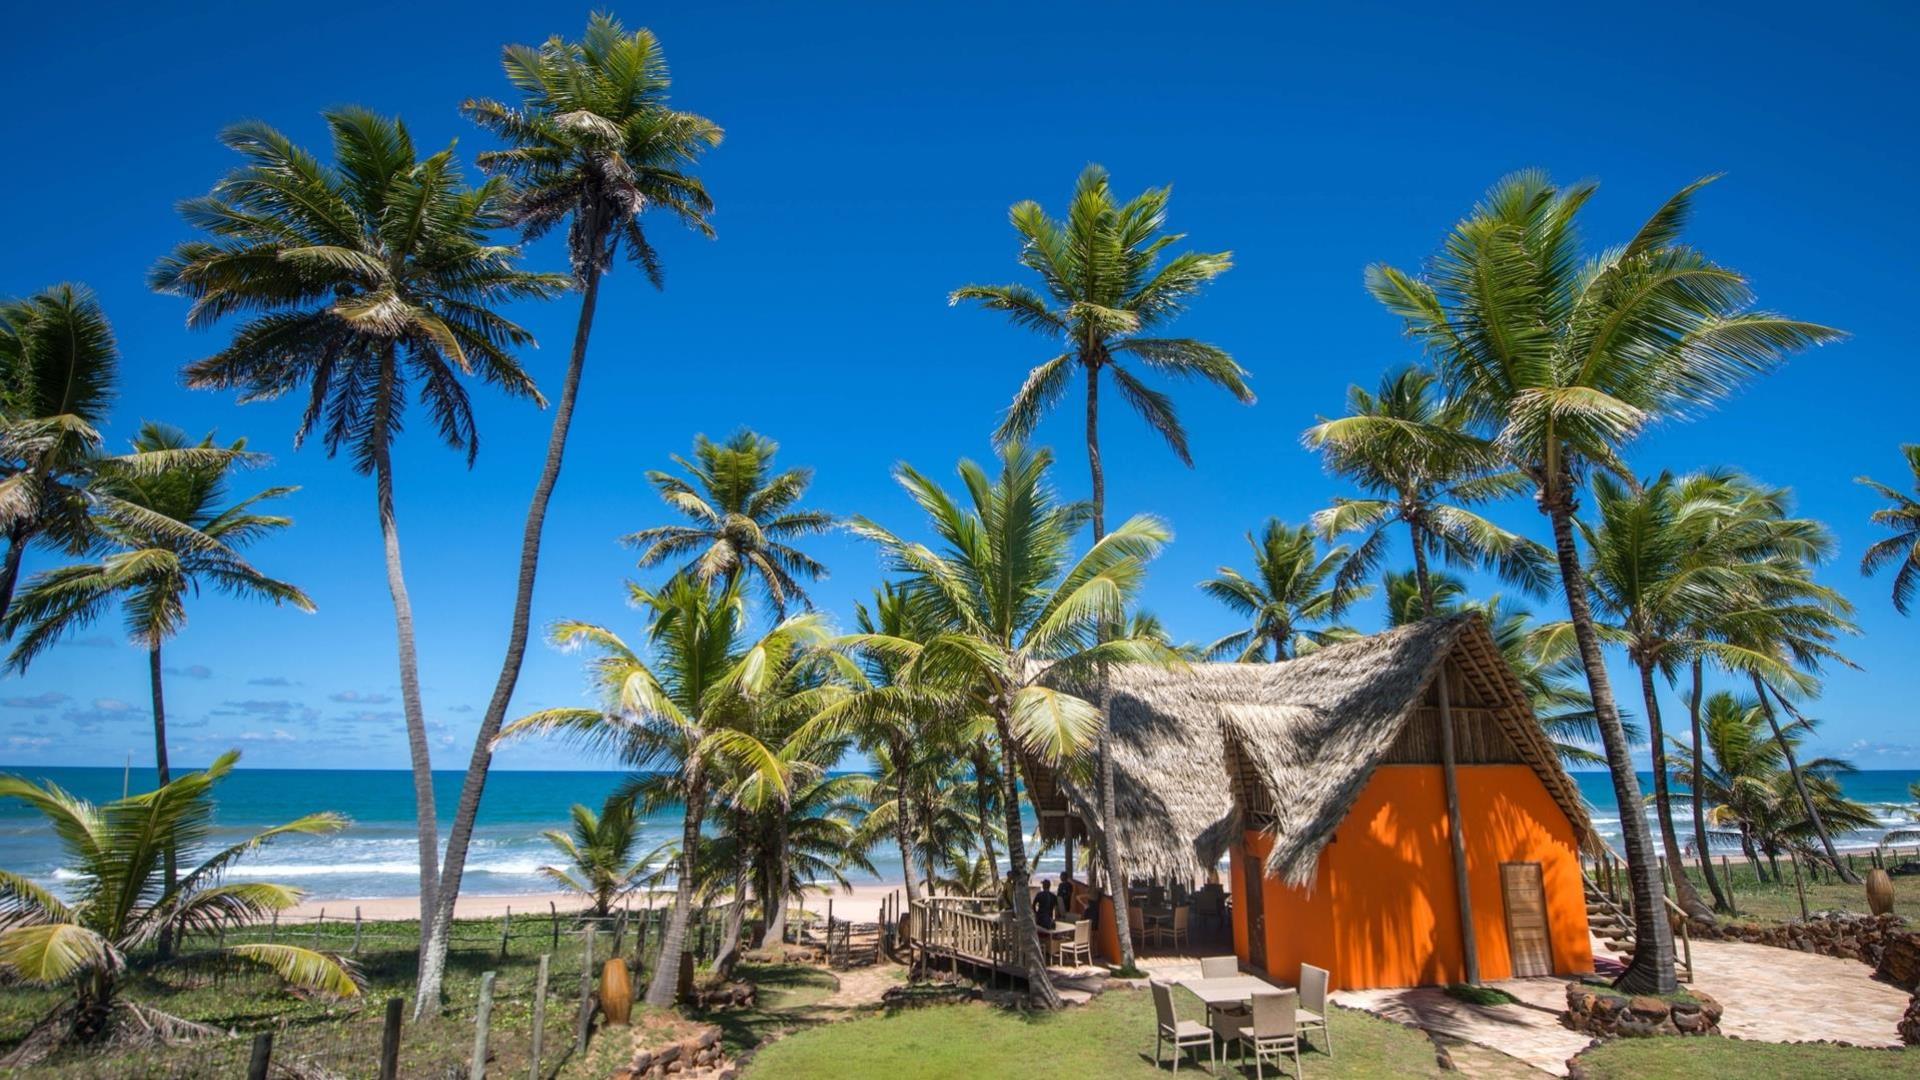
pixel 262 1056
pixel 390 1041
pixel 619 931
pixel 356 930
pixel 480 1020
pixel 506 928
pixel 554 911
pixel 586 995
pixel 319 925
pixel 539 1016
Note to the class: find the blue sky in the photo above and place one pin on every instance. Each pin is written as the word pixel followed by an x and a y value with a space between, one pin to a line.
pixel 871 154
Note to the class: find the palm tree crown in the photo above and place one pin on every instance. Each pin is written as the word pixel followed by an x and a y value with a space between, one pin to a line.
pixel 357 279
pixel 1293 585
pixel 599 851
pixel 1902 518
pixel 742 512
pixel 594 142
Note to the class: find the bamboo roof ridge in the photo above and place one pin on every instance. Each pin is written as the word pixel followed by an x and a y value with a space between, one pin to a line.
pixel 1297 741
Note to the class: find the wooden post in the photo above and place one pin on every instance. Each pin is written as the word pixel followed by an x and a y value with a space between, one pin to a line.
pixel 619 931
pixel 481 1018
pixel 554 911
pixel 506 930
pixel 262 1056
pixel 586 995
pixel 1469 946
pixel 356 930
pixel 390 1041
pixel 1798 887
pixel 539 1015
pixel 318 924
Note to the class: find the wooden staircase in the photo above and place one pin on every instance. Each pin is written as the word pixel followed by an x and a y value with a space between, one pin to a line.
pixel 1613 924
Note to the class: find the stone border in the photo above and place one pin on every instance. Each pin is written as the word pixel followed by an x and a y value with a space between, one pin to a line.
pixel 1603 1012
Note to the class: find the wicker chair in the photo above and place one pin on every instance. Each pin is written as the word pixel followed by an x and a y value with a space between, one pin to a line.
pixel 1080 947
pixel 1173 931
pixel 1181 1033
pixel 1273 1031
pixel 1313 1003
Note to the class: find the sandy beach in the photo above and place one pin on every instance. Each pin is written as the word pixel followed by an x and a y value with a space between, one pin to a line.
pixel 860 905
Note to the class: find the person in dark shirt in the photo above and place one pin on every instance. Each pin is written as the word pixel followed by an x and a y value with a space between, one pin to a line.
pixel 1044 905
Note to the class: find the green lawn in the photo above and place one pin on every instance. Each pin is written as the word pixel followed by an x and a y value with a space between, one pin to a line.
pixel 1767 901
pixel 1111 1037
pixel 1693 1059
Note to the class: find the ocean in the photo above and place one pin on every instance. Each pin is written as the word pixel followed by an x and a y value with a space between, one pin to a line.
pixel 376 855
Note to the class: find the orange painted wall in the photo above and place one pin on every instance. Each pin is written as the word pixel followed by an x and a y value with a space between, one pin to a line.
pixel 1382 909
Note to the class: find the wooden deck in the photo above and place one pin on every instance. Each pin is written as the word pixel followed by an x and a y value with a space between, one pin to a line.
pixel 964 930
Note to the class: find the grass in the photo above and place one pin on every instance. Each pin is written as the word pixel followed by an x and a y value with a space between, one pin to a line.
pixel 1691 1059
pixel 1767 901
pixel 1110 1037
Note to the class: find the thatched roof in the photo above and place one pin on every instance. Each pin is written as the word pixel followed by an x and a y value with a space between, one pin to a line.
pixel 1292 744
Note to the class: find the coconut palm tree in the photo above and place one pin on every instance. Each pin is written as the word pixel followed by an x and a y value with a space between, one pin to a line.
pixel 599 853
pixel 1105 296
pixel 1563 359
pixel 360 282
pixel 592 143
pixel 1902 518
pixel 58 369
pixel 119 901
pixel 742 514
pixel 683 707
pixel 1293 584
pixel 1013 603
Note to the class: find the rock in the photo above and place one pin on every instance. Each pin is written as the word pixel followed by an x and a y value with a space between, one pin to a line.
pixel 1650 1007
pixel 1690 1023
pixel 1909 1027
pixel 1900 962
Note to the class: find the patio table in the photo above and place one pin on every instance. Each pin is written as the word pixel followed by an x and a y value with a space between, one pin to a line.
pixel 1231 990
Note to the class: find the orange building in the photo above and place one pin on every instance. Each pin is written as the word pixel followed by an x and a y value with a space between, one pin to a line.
pixel 1321 781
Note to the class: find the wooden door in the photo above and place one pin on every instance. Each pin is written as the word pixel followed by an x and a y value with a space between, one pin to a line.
pixel 1255 902
pixel 1528 942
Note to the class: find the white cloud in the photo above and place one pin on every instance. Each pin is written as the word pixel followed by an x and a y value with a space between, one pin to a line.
pixel 276 735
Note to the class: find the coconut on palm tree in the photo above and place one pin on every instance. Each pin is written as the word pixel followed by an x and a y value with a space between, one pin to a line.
pixel 1294 585
pixel 119 901
pixel 592 144
pixel 1106 298
pixel 1563 359
pixel 1901 517
pixel 1012 603
pixel 601 866
pixel 359 283
pixel 742 517
pixel 680 706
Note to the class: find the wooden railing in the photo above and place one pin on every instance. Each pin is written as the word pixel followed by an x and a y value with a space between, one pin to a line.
pixel 965 927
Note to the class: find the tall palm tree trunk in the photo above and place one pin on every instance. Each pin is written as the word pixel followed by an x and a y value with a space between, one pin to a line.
pixel 460 836
pixel 903 821
pixel 1651 971
pixel 1450 776
pixel 774 900
pixel 1684 893
pixel 1696 792
pixel 664 986
pixel 729 954
pixel 982 776
pixel 10 570
pixel 172 856
pixel 427 826
pixel 1110 860
pixel 1026 940
pixel 1761 687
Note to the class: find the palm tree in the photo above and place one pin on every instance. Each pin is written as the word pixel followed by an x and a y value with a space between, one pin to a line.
pixel 594 144
pixel 1902 549
pixel 358 282
pixel 601 866
pixel 119 901
pixel 1563 360
pixel 58 368
pixel 1106 294
pixel 684 712
pixel 742 514
pixel 1013 603
pixel 1293 585
pixel 782 846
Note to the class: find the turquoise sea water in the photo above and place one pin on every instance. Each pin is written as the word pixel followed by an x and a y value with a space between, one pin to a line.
pixel 376 855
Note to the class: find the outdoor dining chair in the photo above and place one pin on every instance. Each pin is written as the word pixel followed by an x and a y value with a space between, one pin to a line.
pixel 1173 931
pixel 1313 1003
pixel 1136 924
pixel 1181 1033
pixel 1223 1018
pixel 1080 948
pixel 1273 1031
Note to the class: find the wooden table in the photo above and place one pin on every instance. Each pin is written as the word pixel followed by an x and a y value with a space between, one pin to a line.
pixel 1050 939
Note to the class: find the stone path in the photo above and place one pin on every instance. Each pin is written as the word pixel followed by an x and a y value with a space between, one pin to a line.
pixel 1771 995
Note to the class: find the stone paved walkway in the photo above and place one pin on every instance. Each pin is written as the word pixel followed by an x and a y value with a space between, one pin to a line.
pixel 1771 995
